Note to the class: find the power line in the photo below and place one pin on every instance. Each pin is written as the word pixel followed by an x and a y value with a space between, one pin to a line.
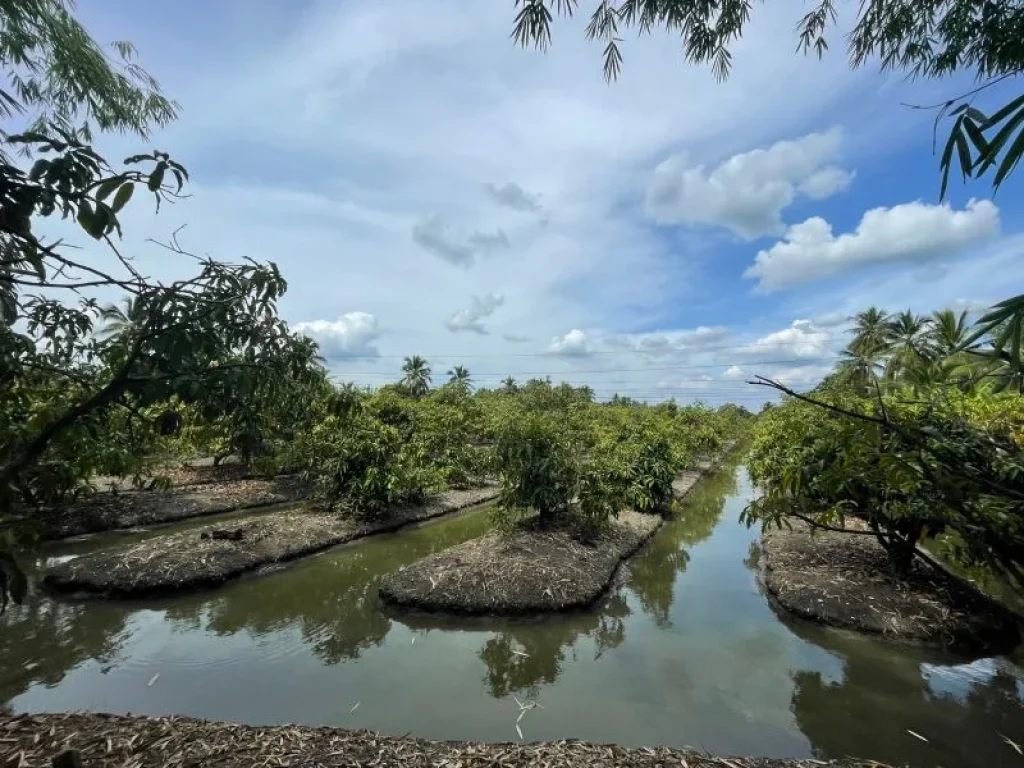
pixel 814 337
pixel 737 363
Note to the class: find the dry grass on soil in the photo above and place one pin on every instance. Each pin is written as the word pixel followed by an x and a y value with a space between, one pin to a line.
pixel 202 472
pixel 127 509
pixel 106 741
pixel 210 555
pixel 844 580
pixel 525 571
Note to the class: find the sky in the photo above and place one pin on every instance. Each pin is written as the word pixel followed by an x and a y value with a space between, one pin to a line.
pixel 427 187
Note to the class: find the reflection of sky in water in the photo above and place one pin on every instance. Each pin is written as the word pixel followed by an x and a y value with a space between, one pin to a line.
pixel 957 681
pixel 686 652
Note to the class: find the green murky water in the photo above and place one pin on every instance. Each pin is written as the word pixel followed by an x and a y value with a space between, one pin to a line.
pixel 684 651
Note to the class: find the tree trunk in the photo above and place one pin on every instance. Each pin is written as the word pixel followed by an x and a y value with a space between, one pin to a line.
pixel 901 549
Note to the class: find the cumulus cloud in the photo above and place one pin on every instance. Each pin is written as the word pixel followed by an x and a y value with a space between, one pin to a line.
pixel 733 373
pixel 575 343
pixel 669 342
pixel 351 335
pixel 511 195
pixel 515 338
pixel 904 233
pixel 801 376
pixel 471 318
pixel 434 234
pixel 748 192
pixel 801 340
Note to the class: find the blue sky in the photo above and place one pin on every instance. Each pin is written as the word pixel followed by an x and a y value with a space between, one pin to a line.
pixel 429 188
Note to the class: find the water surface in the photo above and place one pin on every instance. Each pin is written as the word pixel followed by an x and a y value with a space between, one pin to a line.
pixel 685 651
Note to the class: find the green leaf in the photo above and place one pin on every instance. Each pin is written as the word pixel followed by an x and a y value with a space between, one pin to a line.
pixel 947 156
pixel 988 159
pixel 38 169
pixel 156 178
pixel 1010 161
pixel 107 187
pixel 85 215
pixel 1005 112
pixel 124 194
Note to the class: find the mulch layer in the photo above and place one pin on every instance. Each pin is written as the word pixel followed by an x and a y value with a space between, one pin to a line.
pixel 108 510
pixel 106 741
pixel 210 555
pixel 526 571
pixel 844 580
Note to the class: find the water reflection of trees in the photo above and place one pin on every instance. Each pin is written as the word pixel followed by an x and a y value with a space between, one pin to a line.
pixel 652 575
pixel 331 600
pixel 885 694
pixel 525 654
pixel 332 606
pixel 42 640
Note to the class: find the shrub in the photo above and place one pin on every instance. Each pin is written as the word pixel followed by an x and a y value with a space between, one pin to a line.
pixel 539 466
pixel 911 467
pixel 364 465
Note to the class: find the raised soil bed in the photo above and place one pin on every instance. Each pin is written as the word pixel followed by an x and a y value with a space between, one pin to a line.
pixel 844 580
pixel 525 571
pixel 210 555
pixel 106 741
pixel 107 511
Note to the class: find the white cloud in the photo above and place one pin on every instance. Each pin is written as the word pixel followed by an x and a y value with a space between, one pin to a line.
pixel 826 182
pixel 904 233
pixel 437 237
pixel 748 192
pixel 470 318
pixel 516 338
pixel 407 110
pixel 733 373
pixel 802 339
pixel 511 195
pixel 573 344
pixel 800 377
pixel 665 343
pixel 351 335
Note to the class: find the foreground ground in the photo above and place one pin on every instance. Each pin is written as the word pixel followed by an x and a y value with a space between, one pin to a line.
pixel 526 571
pixel 844 580
pixel 140 742
pixel 210 555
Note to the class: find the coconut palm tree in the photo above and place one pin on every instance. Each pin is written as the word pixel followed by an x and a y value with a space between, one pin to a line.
pixel 864 355
pixel 910 346
pixel 949 331
pixel 951 344
pixel 117 318
pixel 870 334
pixel 459 376
pixel 416 375
pixel 508 385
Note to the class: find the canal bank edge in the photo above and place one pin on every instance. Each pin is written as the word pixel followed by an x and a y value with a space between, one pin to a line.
pixel 129 508
pixel 158 742
pixel 208 556
pixel 843 580
pixel 527 572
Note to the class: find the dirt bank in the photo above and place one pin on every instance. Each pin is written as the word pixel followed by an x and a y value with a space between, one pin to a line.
pixel 108 511
pixel 210 555
pixel 526 571
pixel 843 580
pixel 106 741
